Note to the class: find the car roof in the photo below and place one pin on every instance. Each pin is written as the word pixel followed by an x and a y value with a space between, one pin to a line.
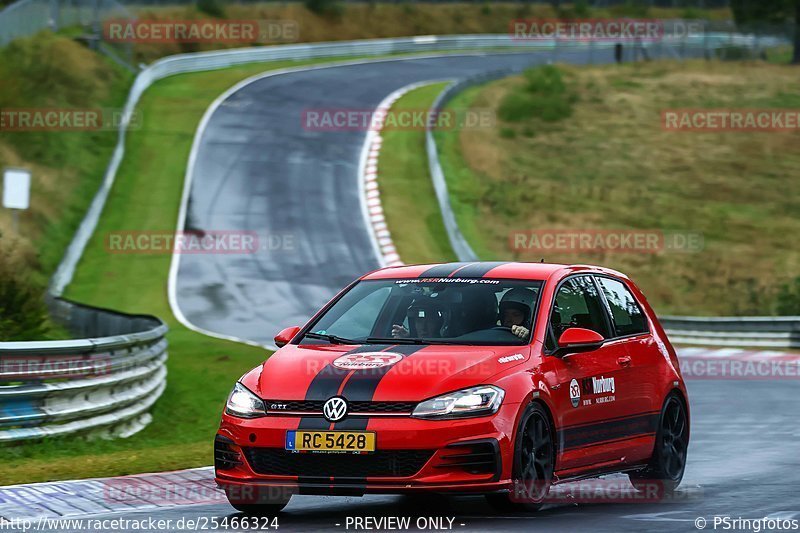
pixel 486 269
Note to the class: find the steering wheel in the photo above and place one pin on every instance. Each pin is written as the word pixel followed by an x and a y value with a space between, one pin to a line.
pixel 503 328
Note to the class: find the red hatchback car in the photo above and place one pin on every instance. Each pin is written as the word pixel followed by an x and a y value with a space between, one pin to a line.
pixel 495 378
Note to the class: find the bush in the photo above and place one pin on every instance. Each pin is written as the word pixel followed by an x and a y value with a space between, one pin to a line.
pixel 23 313
pixel 544 96
pixel 788 298
pixel 515 107
pixel 507 133
pixel 212 8
pixel 324 8
pixel 545 80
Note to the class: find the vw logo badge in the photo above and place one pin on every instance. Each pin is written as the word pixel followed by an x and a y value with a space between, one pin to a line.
pixel 335 409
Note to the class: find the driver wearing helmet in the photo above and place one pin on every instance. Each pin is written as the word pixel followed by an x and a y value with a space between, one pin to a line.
pixel 515 310
pixel 425 320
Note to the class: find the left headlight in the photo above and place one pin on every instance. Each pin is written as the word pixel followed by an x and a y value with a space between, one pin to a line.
pixel 244 404
pixel 475 401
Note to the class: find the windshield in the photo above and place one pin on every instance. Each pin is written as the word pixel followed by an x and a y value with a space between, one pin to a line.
pixel 431 311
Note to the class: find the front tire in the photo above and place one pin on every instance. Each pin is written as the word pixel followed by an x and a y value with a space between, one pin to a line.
pixel 668 463
pixel 534 462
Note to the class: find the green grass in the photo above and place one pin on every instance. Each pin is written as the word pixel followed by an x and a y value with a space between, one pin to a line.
pixel 464 185
pixel 202 370
pixel 407 194
pixel 51 72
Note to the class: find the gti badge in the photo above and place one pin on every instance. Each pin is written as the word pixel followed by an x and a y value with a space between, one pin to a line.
pixel 335 409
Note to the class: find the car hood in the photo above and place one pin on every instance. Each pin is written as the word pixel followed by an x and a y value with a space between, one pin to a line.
pixel 377 372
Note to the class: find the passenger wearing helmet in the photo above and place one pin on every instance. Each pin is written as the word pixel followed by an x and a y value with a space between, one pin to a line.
pixel 515 310
pixel 425 320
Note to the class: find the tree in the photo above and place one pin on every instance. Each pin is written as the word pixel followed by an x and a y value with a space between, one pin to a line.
pixel 761 12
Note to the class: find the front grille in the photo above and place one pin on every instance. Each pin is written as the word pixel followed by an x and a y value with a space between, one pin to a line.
pixel 382 463
pixel 357 407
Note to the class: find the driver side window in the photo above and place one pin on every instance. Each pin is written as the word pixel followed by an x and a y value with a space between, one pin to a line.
pixel 578 305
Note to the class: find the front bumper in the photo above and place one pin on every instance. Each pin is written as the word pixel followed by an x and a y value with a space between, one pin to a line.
pixel 468 455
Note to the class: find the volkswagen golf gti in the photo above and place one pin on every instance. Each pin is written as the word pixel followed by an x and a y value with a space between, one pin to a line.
pixel 492 378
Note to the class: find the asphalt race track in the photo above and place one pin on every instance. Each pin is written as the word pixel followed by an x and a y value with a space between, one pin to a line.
pixel 259 170
pixel 743 462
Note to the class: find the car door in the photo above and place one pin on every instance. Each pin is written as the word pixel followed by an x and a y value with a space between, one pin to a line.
pixel 642 374
pixel 589 392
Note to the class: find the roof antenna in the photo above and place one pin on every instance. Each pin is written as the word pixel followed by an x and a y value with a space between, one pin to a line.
pixel 542 261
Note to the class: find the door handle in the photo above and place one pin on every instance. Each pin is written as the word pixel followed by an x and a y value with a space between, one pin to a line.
pixel 624 361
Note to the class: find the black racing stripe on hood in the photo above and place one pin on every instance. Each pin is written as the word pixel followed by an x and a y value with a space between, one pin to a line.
pixel 361 387
pixel 478 270
pixel 327 383
pixel 442 271
pixel 362 384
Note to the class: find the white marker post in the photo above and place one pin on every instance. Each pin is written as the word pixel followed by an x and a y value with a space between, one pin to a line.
pixel 16 192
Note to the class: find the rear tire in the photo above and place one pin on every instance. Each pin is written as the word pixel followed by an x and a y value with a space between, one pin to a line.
pixel 668 463
pixel 534 462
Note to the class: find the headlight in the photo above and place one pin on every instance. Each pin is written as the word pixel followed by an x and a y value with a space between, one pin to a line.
pixel 476 401
pixel 244 404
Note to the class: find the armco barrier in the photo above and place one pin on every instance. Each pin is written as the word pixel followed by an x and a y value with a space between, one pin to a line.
pixel 104 383
pixel 755 331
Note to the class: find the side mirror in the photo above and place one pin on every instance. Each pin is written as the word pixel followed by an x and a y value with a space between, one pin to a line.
pixel 578 340
pixel 286 335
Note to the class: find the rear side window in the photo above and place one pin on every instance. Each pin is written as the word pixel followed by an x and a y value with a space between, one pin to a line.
pixel 578 305
pixel 628 316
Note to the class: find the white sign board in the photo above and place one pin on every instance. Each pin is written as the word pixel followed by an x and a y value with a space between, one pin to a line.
pixel 16 188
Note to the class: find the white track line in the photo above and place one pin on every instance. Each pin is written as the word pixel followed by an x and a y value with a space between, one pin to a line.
pixel 369 188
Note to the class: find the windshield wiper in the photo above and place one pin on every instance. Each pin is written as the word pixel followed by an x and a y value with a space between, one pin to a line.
pixel 404 340
pixel 333 339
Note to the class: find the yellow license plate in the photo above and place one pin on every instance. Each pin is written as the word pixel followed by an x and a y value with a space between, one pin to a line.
pixel 330 441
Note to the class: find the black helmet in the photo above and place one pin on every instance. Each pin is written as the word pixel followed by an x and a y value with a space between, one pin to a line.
pixel 428 310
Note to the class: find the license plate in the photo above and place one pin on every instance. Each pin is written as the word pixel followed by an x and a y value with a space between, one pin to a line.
pixel 330 441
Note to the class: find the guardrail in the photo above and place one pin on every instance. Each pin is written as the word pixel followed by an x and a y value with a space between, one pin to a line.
pixel 104 383
pixel 748 331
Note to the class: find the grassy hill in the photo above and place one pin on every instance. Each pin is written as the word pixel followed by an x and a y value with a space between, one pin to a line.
pixel 602 160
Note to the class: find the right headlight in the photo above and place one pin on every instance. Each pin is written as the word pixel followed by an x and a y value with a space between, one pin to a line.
pixel 475 401
pixel 244 404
